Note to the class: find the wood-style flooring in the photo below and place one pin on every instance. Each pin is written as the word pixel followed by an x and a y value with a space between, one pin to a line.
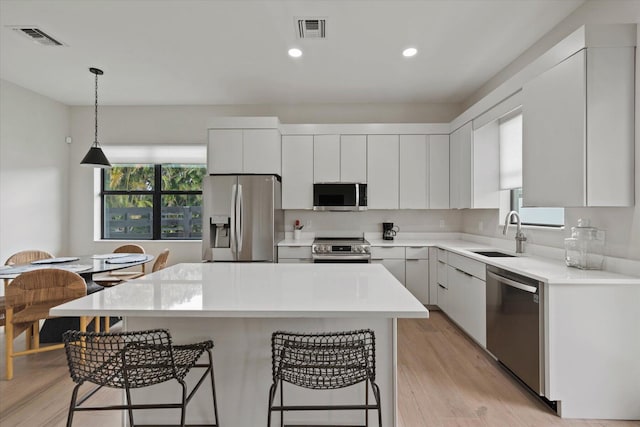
pixel 444 380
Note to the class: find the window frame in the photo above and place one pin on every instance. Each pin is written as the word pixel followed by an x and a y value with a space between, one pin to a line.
pixel 514 206
pixel 156 193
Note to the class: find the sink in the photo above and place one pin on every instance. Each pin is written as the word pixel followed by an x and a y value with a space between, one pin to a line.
pixel 493 254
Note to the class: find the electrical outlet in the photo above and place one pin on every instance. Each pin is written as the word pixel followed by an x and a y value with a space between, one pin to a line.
pixel 442 223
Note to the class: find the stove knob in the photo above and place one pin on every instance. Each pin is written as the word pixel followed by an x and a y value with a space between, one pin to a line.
pixel 366 249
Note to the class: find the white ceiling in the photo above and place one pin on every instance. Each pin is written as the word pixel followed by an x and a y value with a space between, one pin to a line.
pixel 184 52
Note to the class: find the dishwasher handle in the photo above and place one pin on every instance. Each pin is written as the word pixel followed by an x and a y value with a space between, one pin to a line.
pixel 513 283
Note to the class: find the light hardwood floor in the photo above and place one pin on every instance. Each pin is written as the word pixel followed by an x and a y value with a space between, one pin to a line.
pixel 444 379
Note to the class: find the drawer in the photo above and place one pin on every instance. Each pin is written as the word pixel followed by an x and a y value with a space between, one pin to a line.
pixel 387 252
pixel 442 273
pixel 294 261
pixel 468 265
pixel 417 252
pixel 442 255
pixel 300 252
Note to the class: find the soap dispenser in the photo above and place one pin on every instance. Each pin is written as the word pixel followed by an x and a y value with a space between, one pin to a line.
pixel 585 248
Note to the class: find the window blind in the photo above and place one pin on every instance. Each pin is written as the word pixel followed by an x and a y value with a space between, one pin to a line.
pixel 511 151
pixel 156 154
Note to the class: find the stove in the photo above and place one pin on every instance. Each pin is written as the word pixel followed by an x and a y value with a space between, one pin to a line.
pixel 341 250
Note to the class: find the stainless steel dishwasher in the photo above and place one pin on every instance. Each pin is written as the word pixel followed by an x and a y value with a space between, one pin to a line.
pixel 515 315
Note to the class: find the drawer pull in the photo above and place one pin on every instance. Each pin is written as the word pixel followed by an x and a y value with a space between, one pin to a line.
pixel 464 272
pixel 441 286
pixel 413 259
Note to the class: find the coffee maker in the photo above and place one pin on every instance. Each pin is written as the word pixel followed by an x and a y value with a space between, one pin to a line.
pixel 389 231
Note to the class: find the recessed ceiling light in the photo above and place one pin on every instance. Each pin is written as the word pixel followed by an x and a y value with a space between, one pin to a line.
pixel 295 53
pixel 410 51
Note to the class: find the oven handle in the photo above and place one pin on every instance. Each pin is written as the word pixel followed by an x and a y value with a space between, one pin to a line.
pixel 340 257
pixel 513 283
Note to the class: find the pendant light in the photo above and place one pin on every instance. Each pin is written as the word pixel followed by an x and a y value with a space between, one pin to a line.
pixel 95 157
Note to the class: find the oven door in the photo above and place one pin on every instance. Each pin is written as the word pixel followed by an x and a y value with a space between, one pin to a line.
pixel 341 259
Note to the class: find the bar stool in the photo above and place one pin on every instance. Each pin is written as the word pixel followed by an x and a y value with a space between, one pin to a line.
pixel 324 361
pixel 129 360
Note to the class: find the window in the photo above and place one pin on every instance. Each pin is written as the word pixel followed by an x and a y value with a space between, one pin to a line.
pixel 152 201
pixel 511 174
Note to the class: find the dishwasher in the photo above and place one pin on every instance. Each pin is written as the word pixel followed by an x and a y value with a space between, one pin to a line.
pixel 515 325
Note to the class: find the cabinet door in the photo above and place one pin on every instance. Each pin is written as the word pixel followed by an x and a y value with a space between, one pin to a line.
pixel 443 298
pixel 417 278
pixel 438 172
pixel 553 136
pixel 414 173
pixel 456 286
pixel 262 149
pixel 297 172
pixel 382 171
pixel 326 158
pixel 224 151
pixel 395 267
pixel 475 309
pixel 461 164
pixel 486 167
pixel 353 158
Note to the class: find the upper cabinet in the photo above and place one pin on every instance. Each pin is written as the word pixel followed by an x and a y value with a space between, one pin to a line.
pixel 297 171
pixel 438 171
pixel 244 151
pixel 414 171
pixel 460 170
pixel 578 131
pixel 340 158
pixel 383 171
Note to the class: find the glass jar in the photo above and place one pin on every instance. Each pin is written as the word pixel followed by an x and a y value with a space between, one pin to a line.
pixel 585 248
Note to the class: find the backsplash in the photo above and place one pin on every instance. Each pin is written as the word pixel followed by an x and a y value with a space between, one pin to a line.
pixel 344 223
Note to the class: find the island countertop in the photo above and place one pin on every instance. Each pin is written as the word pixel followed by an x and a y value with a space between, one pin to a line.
pixel 255 290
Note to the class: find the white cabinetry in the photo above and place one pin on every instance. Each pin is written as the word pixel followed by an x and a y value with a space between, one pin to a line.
pixel 417 272
pixel 392 257
pixel 326 158
pixel 383 171
pixel 460 167
pixel 353 158
pixel 463 292
pixel 578 131
pixel 294 255
pixel 438 172
pixel 297 172
pixel 244 151
pixel 414 172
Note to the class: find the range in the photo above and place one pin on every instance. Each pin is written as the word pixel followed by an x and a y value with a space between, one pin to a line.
pixel 341 250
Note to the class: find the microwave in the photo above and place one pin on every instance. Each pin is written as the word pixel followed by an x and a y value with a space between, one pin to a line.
pixel 339 196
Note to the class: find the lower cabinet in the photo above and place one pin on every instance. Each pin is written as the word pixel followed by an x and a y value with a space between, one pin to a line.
pixel 392 257
pixel 417 272
pixel 294 254
pixel 462 294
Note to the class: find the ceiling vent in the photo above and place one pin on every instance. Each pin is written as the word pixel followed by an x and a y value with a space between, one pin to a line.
pixel 311 28
pixel 37 35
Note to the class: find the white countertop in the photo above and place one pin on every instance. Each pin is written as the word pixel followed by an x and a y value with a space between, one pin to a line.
pixel 255 290
pixel 544 269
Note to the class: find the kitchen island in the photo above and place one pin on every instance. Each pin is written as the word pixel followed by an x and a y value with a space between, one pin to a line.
pixel 239 306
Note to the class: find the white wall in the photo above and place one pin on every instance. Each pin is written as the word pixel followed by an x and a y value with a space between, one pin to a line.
pixel 188 124
pixel 622 224
pixel 34 160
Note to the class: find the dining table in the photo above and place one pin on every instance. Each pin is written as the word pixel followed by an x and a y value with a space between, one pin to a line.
pixel 86 266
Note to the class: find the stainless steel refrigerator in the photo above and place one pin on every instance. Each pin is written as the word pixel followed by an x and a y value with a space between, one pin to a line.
pixel 242 218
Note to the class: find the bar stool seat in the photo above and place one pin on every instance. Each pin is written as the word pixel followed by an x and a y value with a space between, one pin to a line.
pixel 130 360
pixel 324 361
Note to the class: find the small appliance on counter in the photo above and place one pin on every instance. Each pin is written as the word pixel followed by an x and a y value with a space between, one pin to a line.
pixel 389 231
pixel 585 248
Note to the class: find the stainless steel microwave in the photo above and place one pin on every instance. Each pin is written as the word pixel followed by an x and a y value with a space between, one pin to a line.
pixel 339 196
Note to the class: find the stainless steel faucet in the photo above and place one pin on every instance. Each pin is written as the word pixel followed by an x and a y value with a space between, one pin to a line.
pixel 520 237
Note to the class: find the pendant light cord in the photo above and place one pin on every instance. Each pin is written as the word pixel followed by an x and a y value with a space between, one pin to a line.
pixel 96 114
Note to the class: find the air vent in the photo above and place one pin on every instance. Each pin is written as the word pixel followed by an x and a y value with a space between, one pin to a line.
pixel 37 35
pixel 311 28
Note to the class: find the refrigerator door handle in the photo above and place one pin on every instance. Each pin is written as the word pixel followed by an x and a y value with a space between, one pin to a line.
pixel 240 219
pixel 234 203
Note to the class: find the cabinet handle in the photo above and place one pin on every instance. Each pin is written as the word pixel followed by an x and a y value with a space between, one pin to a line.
pixel 413 259
pixel 442 262
pixel 439 285
pixel 416 247
pixel 464 272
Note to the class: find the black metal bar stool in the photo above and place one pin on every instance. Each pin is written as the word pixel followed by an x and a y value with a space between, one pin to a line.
pixel 129 360
pixel 324 361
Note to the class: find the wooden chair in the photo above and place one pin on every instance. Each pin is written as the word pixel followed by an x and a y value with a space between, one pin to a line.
pixel 161 261
pixel 23 257
pixel 114 277
pixel 29 298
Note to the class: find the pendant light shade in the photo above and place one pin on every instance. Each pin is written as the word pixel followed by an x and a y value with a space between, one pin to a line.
pixel 95 157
